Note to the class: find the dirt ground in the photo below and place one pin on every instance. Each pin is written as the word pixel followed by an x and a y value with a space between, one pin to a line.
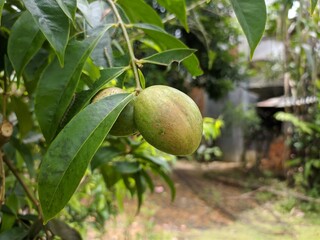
pixel 209 206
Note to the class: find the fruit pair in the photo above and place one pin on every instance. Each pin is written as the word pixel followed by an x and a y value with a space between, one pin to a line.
pixel 167 119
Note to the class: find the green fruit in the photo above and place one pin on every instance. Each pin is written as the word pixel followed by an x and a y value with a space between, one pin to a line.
pixel 168 119
pixel 124 126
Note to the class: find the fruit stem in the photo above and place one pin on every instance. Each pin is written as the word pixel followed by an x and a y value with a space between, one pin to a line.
pixel 130 49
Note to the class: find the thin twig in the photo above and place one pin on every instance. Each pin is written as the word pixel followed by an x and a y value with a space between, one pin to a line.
pixel 23 184
pixel 130 49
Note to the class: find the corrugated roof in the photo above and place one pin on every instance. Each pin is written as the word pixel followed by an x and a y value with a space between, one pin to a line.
pixel 282 101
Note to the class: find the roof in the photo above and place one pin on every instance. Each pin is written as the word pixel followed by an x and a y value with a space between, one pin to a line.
pixel 282 101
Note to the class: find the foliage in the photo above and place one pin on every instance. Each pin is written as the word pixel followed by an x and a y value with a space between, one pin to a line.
pixel 207 150
pixel 300 34
pixel 305 158
pixel 55 56
pixel 215 34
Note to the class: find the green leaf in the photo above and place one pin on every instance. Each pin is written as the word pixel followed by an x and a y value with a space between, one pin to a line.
pixel 69 7
pixel 91 70
pixel 138 11
pixel 16 233
pixel 34 69
pixel 53 22
pixel 167 41
pixel 289 117
pixel 63 230
pixel 103 156
pixel 148 180
pixel 24 42
pixel 168 180
pixel 313 5
pixel 68 156
pixel 165 58
pixel 142 79
pixel 21 109
pixel 110 175
pixel 81 99
pixel 140 189
pixel 57 85
pixel 7 222
pixel 127 180
pixel 25 154
pixel 97 14
pixel 252 16
pixel 124 167
pixel 158 161
pixel 178 7
pixel 1 7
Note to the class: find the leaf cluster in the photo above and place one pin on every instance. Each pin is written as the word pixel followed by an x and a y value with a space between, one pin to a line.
pixel 55 56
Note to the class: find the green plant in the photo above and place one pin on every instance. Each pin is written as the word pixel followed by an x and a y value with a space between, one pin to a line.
pixel 305 159
pixel 207 151
pixel 55 57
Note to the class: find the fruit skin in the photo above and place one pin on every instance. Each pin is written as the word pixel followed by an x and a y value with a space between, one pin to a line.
pixel 124 125
pixel 168 119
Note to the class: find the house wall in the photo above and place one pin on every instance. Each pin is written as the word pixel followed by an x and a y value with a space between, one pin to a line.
pixel 231 141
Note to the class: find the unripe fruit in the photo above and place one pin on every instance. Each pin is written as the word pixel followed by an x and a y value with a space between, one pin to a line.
pixel 168 119
pixel 124 125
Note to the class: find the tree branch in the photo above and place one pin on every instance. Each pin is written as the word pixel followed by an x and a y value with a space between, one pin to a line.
pixel 23 184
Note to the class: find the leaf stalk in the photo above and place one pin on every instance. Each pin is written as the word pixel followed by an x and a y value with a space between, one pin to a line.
pixel 133 59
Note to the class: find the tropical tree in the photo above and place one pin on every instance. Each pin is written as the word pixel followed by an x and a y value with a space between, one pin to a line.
pixel 55 57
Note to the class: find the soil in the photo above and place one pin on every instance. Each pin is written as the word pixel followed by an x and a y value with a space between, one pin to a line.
pixel 205 200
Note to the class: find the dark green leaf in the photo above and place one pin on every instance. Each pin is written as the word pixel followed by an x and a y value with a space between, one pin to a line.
pixel 167 179
pixel 148 179
pixel 56 86
pixel 34 229
pixel 126 180
pixel 313 5
pixel 252 16
pixel 23 114
pixel 68 156
pixel 103 156
pixel 69 7
pixel 142 79
pixel 140 189
pixel 81 99
pixel 126 167
pixel 110 175
pixel 34 69
pixel 16 233
pixel 138 11
pixel 63 230
pixel 24 41
pixel 167 41
pixel 165 58
pixel 53 22
pixel 155 160
pixel 7 222
pixel 25 154
pixel 1 7
pixel 178 7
